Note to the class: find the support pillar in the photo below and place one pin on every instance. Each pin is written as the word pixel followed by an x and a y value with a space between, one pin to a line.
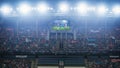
pixel 74 35
pixel 56 35
pixel 61 64
pixel 34 63
pixel 86 63
pixel 48 35
pixel 66 35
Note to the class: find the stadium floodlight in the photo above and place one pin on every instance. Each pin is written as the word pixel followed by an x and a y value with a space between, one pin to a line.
pixel 6 10
pixel 42 8
pixel 82 8
pixel 101 10
pixel 116 10
pixel 64 21
pixel 63 7
pixel 24 8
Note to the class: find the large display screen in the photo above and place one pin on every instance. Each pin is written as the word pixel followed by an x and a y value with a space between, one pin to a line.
pixel 61 25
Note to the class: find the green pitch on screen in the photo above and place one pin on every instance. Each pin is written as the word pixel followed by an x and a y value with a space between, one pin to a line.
pixel 61 28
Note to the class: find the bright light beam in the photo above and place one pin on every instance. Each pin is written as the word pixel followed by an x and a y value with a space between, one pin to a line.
pixel 82 8
pixel 63 7
pixel 42 8
pixel 102 10
pixel 6 10
pixel 24 8
pixel 116 10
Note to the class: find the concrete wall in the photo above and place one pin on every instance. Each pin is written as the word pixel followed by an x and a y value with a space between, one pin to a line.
pixel 47 67
pixel 74 67
pixel 57 67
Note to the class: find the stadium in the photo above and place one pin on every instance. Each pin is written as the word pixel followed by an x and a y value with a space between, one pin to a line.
pixel 59 33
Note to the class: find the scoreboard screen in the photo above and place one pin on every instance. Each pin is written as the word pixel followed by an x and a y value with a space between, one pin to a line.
pixel 61 25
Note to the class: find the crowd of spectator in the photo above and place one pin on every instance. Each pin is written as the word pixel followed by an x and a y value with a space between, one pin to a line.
pixel 15 63
pixel 102 63
pixel 32 39
pixel 91 62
